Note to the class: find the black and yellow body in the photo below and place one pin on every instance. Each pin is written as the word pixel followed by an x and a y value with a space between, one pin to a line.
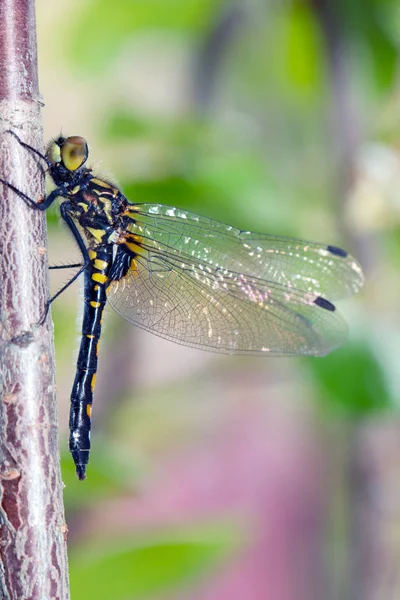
pixel 96 278
pixel 94 211
pixel 188 279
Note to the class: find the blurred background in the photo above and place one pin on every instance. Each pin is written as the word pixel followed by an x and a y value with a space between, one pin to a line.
pixel 217 477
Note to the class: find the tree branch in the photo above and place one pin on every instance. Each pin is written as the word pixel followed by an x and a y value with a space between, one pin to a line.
pixel 33 562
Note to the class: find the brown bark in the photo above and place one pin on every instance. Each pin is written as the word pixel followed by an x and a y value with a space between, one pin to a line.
pixel 33 562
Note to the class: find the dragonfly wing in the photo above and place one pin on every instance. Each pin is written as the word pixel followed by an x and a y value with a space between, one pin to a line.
pixel 209 307
pixel 297 264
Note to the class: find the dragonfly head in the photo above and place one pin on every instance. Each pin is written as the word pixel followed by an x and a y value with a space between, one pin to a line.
pixel 66 156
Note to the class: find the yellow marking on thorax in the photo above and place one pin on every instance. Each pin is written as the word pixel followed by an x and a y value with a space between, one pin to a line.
pixel 92 254
pixel 101 183
pixel 105 199
pixel 75 190
pixel 130 209
pixel 107 206
pixel 104 185
pixel 134 244
pixel 98 234
pixel 84 206
pixel 95 304
pixel 133 247
pixel 100 277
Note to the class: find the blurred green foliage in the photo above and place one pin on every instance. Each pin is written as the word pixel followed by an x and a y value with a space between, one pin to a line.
pixel 352 382
pixel 100 31
pixel 141 571
pixel 373 25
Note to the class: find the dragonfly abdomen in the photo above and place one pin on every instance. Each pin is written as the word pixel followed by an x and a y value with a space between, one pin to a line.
pixel 96 278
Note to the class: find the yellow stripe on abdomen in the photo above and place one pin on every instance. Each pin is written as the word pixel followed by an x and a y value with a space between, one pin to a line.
pixel 99 277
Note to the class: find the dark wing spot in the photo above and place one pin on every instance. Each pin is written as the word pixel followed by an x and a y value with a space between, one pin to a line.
pixel 337 251
pixel 323 303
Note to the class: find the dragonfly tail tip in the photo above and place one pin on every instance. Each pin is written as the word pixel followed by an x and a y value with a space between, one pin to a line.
pixel 81 472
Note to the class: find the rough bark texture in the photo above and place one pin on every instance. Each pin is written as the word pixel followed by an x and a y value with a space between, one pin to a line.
pixel 33 562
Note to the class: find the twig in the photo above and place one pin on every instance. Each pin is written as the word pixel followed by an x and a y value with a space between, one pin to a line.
pixel 33 561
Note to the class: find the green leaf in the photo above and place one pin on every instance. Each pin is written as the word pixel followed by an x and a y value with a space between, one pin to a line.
pixel 149 567
pixel 352 381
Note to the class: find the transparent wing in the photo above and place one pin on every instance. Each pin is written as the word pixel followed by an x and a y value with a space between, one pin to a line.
pixel 307 266
pixel 222 311
pixel 204 284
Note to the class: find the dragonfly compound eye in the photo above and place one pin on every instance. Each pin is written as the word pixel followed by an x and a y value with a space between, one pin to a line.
pixel 53 152
pixel 74 152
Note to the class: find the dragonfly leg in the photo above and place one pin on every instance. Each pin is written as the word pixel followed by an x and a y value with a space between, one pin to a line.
pixel 28 147
pixel 31 203
pixel 73 266
pixel 60 291
pixel 43 203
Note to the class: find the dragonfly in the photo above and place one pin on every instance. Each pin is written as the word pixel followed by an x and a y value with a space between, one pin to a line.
pixel 187 278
